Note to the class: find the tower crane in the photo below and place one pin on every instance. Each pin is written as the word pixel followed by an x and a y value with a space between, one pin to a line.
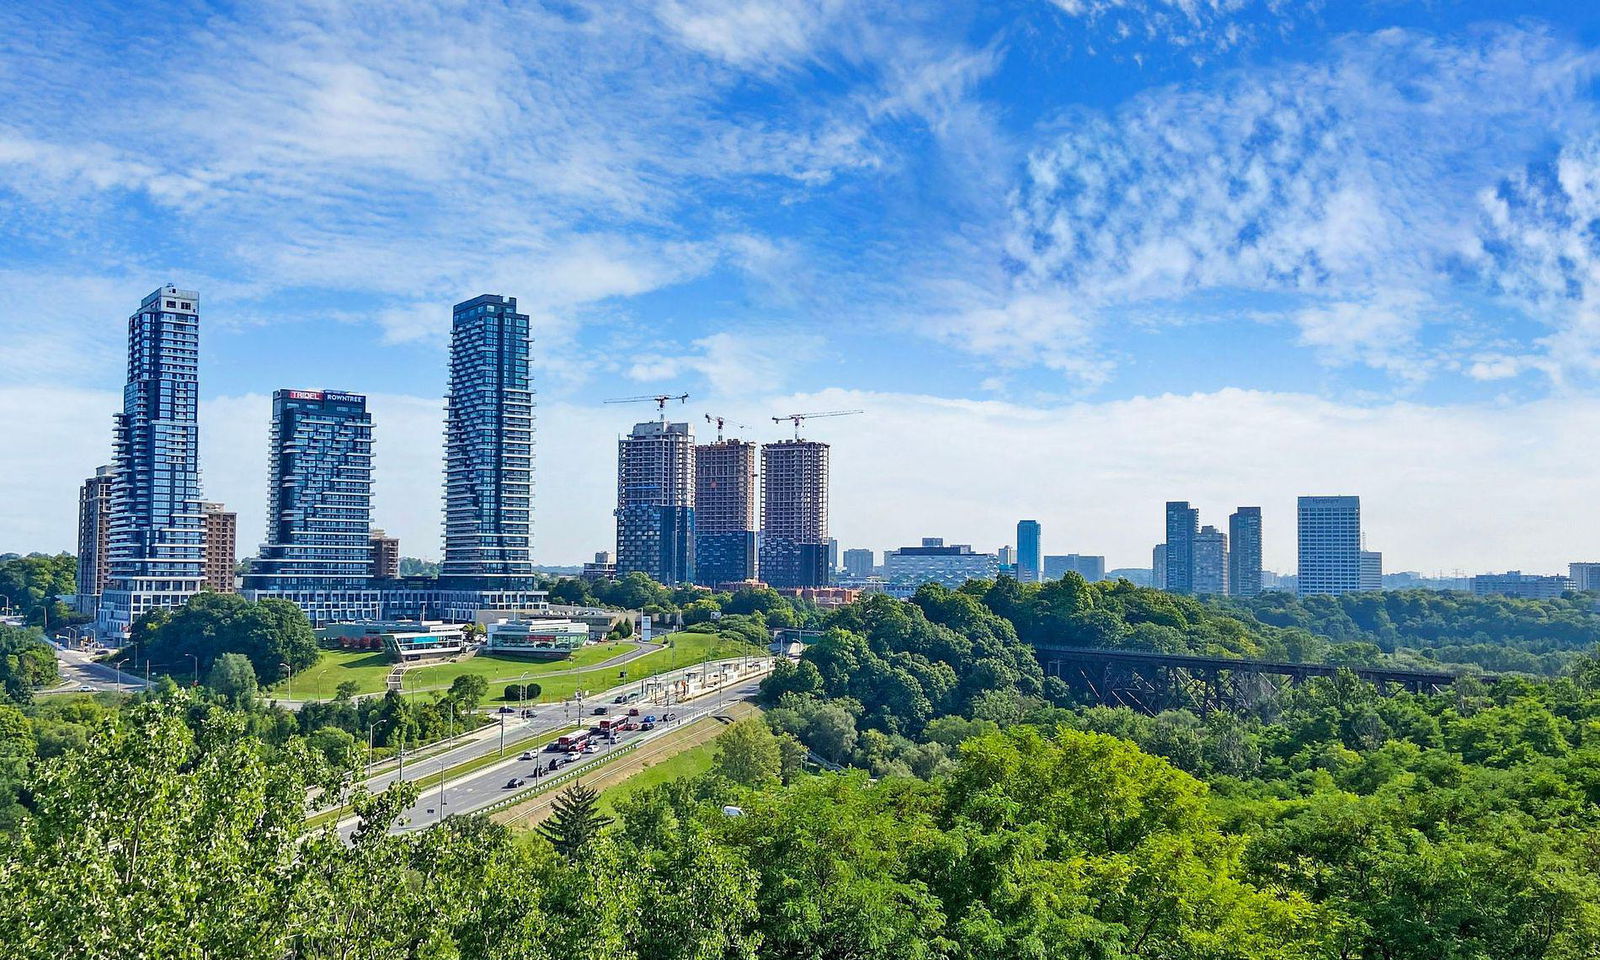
pixel 660 400
pixel 719 421
pixel 799 418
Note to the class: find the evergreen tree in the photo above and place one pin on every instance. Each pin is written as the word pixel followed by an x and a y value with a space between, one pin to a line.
pixel 576 823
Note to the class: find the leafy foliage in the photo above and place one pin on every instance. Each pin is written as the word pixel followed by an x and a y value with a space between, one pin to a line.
pixel 272 634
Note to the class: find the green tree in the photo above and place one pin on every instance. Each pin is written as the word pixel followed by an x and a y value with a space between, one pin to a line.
pixel 232 677
pixel 575 823
pixel 749 754
pixel 468 690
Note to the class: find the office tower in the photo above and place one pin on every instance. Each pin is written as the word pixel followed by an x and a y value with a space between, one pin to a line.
pixel 1329 531
pixel 1584 576
pixel 157 537
pixel 1158 566
pixel 1029 557
pixel 385 555
pixel 488 528
pixel 1008 559
pixel 655 502
pixel 222 546
pixel 1371 577
pixel 794 513
pixel 1210 558
pixel 1183 522
pixel 1244 553
pixel 319 493
pixel 1090 568
pixel 937 562
pixel 94 533
pixel 725 512
pixel 833 554
pixel 858 563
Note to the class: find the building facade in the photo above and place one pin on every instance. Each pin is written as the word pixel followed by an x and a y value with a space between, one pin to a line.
pixel 1371 570
pixel 1329 534
pixel 1090 568
pixel 488 526
pixel 1183 522
pixel 385 555
pixel 1584 576
pixel 794 514
pixel 1030 558
pixel 157 534
pixel 1210 557
pixel 222 547
pixel 1158 566
pixel 656 502
pixel 726 515
pixel 1244 552
pixel 936 562
pixel 1527 586
pixel 858 563
pixel 94 540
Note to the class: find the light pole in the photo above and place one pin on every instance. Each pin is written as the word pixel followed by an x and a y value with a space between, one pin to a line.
pixel 441 789
pixel 370 727
pixel 8 603
pixel 118 667
pixel 196 667
pixel 522 693
pixel 291 678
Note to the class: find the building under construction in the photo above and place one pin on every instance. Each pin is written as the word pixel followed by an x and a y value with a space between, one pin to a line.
pixel 725 517
pixel 794 514
pixel 656 502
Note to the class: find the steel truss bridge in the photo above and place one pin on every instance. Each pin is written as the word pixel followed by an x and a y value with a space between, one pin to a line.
pixel 1150 682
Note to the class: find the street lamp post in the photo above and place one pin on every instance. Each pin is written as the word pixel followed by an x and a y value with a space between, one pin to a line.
pixel 291 678
pixel 196 660
pixel 118 667
pixel 522 693
pixel 441 789
pixel 370 728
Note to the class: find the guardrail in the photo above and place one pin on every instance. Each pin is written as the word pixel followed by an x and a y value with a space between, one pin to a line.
pixel 551 783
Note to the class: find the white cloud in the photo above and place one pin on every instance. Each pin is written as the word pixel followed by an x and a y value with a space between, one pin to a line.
pixel 1200 27
pixel 1096 474
pixel 733 364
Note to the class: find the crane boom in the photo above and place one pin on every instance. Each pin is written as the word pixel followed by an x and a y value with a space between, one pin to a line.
pixel 660 400
pixel 799 418
pixel 719 421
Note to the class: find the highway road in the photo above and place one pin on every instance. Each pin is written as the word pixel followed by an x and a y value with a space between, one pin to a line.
pixel 484 786
pixel 79 671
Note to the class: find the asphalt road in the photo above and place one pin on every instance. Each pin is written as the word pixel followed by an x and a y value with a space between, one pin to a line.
pixel 78 671
pixel 485 786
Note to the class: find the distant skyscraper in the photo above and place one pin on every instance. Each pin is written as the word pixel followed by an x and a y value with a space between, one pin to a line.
pixel 319 494
pixel 655 502
pixel 1371 570
pixel 794 513
pixel 1183 522
pixel 1330 546
pixel 1090 568
pixel 1030 558
pixel 1210 553
pixel 157 538
pixel 385 555
pixel 1244 552
pixel 1158 566
pixel 488 530
pixel 222 547
pixel 833 554
pixel 94 535
pixel 726 520
pixel 1584 576
pixel 858 564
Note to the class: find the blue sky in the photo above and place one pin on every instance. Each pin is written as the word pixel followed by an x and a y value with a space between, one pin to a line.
pixel 1073 257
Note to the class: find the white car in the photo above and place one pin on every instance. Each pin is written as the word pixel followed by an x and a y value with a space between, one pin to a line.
pixel 85 688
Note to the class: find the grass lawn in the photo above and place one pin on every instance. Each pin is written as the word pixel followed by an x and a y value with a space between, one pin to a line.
pixel 368 668
pixel 690 763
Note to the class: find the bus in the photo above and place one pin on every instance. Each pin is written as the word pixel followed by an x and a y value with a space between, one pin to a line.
pixel 571 741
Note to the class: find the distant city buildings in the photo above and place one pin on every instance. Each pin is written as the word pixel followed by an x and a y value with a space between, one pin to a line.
pixel 1371 577
pixel 488 528
pixel 726 515
pixel 1183 522
pixel 603 567
pixel 94 538
pixel 655 502
pixel 1089 568
pixel 935 562
pixel 385 555
pixel 1329 531
pixel 1244 552
pixel 1526 586
pixel 1209 558
pixel 1029 556
pixel 222 547
pixel 794 514
pixel 1584 576
pixel 157 533
pixel 1158 566
pixel 1138 576
pixel 859 563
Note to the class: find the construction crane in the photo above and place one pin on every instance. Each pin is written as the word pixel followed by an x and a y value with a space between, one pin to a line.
pixel 799 418
pixel 660 400
pixel 719 421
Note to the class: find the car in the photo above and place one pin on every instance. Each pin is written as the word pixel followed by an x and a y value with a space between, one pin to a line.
pixel 552 747
pixel 573 755
pixel 527 713
pixel 633 711
pixel 650 719
pixel 601 710
pixel 526 755
pixel 620 698
pixel 590 747
pixel 507 710
pixel 647 725
pixel 515 782
pixel 85 688
pixel 669 717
